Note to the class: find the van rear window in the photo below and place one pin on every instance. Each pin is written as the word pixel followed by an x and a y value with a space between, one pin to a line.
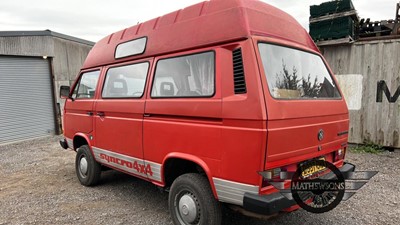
pixel 295 74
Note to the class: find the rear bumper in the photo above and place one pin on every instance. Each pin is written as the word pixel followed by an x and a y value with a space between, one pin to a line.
pixel 276 202
pixel 266 204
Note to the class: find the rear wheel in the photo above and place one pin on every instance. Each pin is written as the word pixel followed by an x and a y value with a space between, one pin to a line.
pixel 87 169
pixel 191 201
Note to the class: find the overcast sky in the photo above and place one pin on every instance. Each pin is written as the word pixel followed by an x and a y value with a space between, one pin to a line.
pixel 95 19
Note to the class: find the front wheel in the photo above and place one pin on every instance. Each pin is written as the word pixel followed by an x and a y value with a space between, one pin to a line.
pixel 87 169
pixel 191 201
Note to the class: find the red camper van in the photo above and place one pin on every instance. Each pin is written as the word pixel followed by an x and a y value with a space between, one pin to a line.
pixel 203 99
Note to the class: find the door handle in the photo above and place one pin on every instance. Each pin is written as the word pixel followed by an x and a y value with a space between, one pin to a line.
pixel 89 113
pixel 101 114
pixel 146 115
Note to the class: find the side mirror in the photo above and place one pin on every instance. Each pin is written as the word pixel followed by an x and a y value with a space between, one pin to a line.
pixel 64 92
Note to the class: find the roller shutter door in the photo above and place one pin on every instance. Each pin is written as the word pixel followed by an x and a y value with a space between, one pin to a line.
pixel 26 108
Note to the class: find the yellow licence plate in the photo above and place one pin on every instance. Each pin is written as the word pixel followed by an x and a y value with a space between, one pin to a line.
pixel 308 170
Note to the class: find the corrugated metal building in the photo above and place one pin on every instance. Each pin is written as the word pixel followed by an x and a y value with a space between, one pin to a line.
pixel 33 65
pixel 369 75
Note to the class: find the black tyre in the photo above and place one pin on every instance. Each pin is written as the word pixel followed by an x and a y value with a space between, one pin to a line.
pixel 191 201
pixel 87 169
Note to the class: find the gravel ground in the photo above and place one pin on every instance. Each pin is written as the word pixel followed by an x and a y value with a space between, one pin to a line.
pixel 38 185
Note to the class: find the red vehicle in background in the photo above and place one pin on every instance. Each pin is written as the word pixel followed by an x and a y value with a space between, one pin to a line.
pixel 199 101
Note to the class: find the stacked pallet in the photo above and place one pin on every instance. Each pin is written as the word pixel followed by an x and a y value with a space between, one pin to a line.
pixel 383 28
pixel 333 20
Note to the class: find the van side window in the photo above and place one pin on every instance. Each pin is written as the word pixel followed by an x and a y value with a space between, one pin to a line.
pixel 185 76
pixel 126 81
pixel 86 88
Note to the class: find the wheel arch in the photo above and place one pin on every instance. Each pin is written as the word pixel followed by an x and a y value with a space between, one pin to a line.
pixel 176 160
pixel 81 139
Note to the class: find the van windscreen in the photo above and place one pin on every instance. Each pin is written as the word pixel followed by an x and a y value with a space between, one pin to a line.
pixel 296 74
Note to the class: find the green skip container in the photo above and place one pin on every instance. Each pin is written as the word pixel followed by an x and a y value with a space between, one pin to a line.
pixel 331 7
pixel 332 29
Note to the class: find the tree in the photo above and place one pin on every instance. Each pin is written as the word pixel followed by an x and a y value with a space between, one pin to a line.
pixel 290 80
pixel 311 90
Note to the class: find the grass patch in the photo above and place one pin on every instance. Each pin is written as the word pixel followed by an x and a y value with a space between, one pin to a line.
pixel 368 147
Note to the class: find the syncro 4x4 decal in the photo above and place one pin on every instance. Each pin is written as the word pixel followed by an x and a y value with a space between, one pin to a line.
pixel 322 189
pixel 129 164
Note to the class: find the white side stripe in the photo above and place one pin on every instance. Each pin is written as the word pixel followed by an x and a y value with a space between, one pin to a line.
pixel 232 192
pixel 156 169
pixel 70 143
pixel 129 164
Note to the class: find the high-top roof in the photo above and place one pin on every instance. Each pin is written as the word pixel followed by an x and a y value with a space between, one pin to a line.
pixel 204 24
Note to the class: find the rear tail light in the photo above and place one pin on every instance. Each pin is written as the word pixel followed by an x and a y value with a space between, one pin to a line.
pixel 271 175
pixel 274 173
pixel 339 154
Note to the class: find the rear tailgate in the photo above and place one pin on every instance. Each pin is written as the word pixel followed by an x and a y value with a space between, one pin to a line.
pixel 307 115
pixel 294 130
